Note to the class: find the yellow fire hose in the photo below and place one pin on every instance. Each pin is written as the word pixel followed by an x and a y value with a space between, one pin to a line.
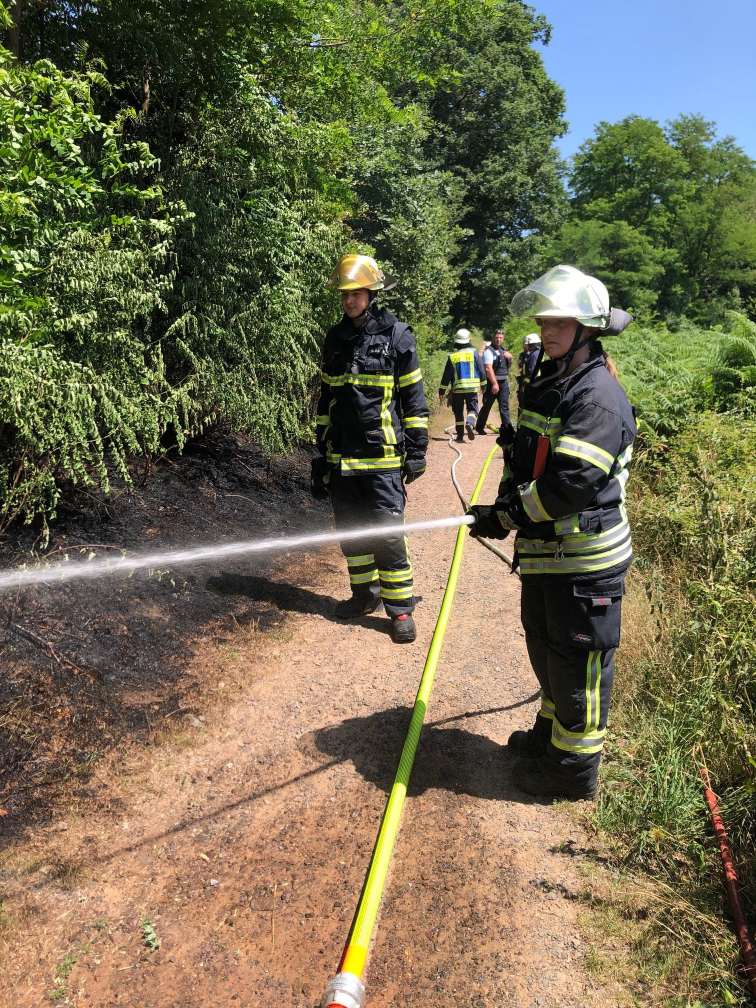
pixel 347 990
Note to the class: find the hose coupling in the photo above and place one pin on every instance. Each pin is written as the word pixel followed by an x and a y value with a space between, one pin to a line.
pixel 345 991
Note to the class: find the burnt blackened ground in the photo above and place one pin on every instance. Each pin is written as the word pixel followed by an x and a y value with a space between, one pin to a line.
pixel 93 666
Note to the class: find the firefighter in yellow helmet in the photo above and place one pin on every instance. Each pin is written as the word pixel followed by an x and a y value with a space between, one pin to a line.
pixel 372 436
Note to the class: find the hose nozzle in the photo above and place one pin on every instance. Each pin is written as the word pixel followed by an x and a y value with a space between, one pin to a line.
pixel 345 991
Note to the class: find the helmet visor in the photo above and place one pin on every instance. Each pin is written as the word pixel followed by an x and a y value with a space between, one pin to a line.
pixel 564 292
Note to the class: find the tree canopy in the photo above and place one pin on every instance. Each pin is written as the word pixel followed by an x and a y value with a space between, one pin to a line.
pixel 204 164
pixel 666 215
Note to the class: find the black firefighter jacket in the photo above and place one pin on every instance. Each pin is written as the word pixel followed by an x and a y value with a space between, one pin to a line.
pixel 572 518
pixel 372 412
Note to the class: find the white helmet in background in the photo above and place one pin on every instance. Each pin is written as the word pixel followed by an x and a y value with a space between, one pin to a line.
pixel 462 337
pixel 532 339
pixel 565 292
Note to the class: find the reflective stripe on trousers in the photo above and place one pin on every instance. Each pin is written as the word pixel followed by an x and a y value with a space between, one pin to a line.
pixel 572 630
pixel 376 566
pixel 461 402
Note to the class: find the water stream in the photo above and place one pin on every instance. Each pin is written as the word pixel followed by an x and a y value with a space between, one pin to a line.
pixel 96 567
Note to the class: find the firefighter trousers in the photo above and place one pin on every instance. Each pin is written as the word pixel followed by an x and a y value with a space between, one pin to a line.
pixel 459 402
pixel 489 398
pixel 378 566
pixel 572 629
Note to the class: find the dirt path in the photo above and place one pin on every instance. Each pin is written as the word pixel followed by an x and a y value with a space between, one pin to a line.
pixel 240 842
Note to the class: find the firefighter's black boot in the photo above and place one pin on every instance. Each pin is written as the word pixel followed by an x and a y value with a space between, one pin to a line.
pixel 403 629
pixel 533 742
pixel 542 779
pixel 471 432
pixel 356 606
pixel 527 743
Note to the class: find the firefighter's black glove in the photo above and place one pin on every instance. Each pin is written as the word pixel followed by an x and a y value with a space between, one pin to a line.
pixel 413 469
pixel 320 473
pixel 506 435
pixel 510 504
pixel 487 524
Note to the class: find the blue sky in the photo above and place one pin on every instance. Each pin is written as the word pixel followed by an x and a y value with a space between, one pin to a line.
pixel 655 58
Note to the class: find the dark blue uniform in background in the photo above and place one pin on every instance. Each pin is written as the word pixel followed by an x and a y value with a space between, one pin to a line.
pixel 372 424
pixel 501 374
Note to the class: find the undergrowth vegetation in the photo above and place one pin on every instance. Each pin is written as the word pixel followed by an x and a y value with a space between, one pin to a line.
pixel 686 686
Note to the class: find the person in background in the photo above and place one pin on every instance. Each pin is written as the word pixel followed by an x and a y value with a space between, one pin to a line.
pixel 531 348
pixel 484 345
pixel 371 431
pixel 497 361
pixel 463 374
pixel 563 492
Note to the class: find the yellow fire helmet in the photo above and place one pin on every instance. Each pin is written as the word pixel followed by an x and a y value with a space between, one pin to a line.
pixel 358 272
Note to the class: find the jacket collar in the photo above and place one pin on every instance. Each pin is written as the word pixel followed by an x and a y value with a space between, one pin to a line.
pixel 552 387
pixel 377 320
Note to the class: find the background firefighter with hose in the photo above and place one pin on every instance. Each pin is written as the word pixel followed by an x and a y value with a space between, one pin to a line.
pixel 372 433
pixel 563 492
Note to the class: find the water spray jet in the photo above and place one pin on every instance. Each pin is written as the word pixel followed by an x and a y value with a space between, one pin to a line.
pixel 62 571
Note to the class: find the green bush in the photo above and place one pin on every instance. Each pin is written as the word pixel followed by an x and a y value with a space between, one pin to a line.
pixel 86 264
pixel 250 298
pixel 686 685
pixel 734 370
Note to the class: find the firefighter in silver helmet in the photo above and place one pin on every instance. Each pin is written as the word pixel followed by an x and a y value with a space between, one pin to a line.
pixel 563 493
pixel 372 437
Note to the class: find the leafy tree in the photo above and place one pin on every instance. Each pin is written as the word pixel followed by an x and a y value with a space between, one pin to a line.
pixel 465 94
pixel 85 267
pixel 621 255
pixel 714 224
pixel 690 195
pixel 203 189
pixel 166 58
pixel 250 296
pixel 496 115
pixel 628 172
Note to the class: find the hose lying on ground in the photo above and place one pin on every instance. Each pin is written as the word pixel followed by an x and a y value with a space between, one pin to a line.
pixel 731 882
pixel 346 989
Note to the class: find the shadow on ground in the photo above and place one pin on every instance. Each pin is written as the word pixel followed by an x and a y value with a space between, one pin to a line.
pixel 286 598
pixel 448 758
pixel 91 666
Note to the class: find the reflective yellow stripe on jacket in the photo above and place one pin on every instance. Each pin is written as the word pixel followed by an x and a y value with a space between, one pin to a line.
pixel 411 378
pixel 586 451
pixel 464 384
pixel 589 552
pixel 368 380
